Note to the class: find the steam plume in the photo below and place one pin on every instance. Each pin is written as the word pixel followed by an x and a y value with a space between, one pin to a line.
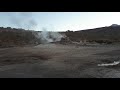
pixel 49 36
pixel 23 19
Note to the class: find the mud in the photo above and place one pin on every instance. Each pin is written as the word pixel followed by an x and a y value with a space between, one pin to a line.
pixel 59 61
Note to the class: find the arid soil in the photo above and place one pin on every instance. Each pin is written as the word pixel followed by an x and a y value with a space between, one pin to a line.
pixel 59 61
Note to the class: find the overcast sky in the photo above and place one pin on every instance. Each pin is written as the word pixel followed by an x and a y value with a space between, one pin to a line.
pixel 58 21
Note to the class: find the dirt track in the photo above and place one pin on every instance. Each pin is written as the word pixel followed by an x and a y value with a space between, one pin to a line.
pixel 59 61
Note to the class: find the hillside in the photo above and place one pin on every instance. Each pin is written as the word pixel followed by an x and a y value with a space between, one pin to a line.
pixel 10 37
pixel 111 34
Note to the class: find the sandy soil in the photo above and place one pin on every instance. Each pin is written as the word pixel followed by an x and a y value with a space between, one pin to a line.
pixel 59 61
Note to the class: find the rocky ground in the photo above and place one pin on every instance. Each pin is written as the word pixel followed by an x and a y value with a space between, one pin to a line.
pixel 59 61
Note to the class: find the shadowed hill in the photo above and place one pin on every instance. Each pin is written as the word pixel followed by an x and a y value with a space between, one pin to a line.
pixel 16 37
pixel 10 37
pixel 107 34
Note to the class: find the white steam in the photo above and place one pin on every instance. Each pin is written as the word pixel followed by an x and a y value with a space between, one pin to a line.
pixel 49 36
pixel 23 19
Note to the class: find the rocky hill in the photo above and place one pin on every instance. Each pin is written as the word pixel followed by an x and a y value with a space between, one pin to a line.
pixel 10 37
pixel 102 34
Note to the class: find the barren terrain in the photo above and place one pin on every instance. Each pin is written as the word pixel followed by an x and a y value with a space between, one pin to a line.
pixel 59 61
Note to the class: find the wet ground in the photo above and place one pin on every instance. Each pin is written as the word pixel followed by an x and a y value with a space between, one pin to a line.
pixel 59 61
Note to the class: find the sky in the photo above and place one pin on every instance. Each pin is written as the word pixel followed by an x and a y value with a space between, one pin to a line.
pixel 58 21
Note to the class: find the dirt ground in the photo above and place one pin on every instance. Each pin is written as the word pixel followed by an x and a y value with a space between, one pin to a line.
pixel 59 61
